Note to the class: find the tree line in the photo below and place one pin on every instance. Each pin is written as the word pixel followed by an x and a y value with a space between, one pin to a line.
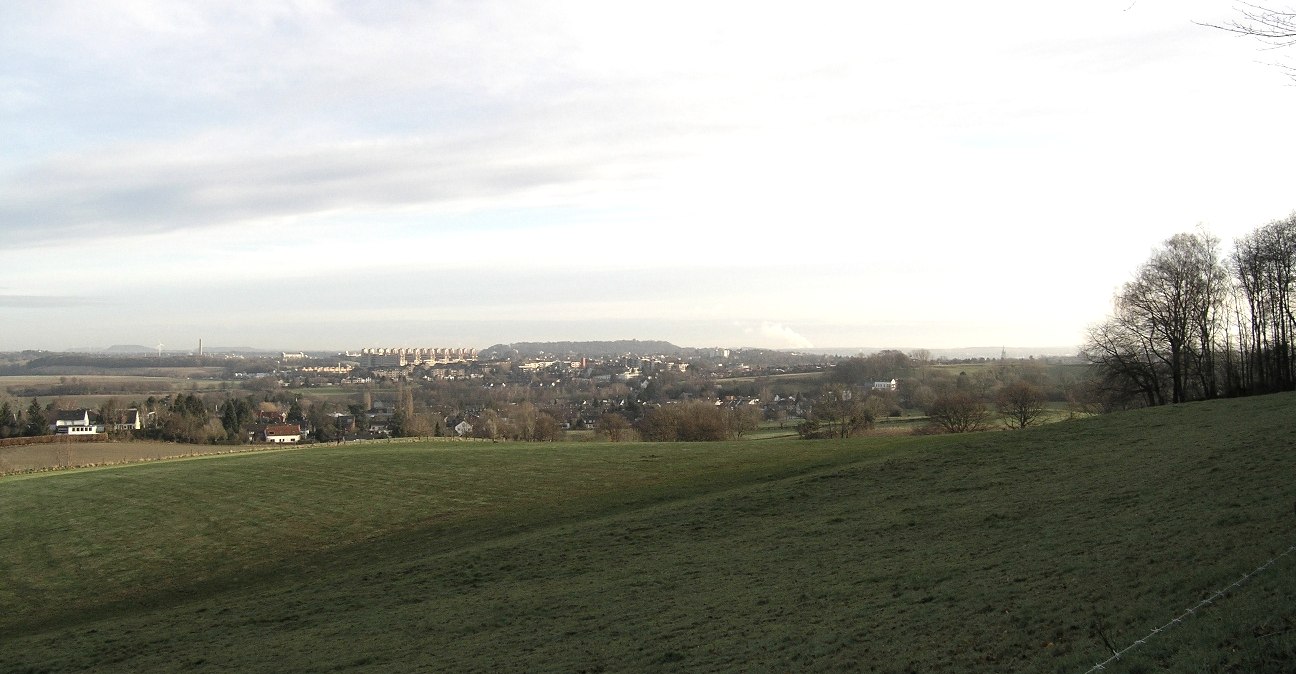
pixel 1198 322
pixel 15 423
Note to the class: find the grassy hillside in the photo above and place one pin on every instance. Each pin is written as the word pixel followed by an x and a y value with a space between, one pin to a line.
pixel 995 552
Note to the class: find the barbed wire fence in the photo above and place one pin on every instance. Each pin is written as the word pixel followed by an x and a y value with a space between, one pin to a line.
pixel 1119 654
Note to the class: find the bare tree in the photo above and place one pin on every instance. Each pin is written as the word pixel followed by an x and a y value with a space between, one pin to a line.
pixel 837 413
pixel 417 426
pixel 922 360
pixel 743 420
pixel 488 425
pixel 614 426
pixel 547 428
pixel 524 421
pixel 1120 347
pixel 1209 296
pixel 1264 269
pixel 1277 27
pixel 1021 404
pixel 1274 27
pixel 1167 319
pixel 959 412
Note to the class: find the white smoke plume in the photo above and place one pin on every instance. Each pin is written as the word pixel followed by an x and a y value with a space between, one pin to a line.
pixel 787 337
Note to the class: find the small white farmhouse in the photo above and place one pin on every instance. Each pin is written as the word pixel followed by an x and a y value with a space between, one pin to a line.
pixel 128 420
pixel 283 433
pixel 75 422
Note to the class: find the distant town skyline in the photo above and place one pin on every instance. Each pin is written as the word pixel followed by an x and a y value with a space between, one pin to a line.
pixel 330 174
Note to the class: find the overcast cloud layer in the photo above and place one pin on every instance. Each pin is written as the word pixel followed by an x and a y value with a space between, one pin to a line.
pixel 320 174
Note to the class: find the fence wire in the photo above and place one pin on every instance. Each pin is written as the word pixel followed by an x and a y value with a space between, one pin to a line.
pixel 1117 655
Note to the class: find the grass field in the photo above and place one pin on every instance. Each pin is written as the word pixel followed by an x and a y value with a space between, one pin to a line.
pixel 809 379
pixel 1021 551
pixel 342 394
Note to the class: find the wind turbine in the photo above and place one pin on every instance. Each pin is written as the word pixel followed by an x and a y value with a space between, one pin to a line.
pixel 159 348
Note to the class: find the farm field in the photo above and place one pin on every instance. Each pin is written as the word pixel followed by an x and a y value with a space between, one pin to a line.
pixel 1014 551
pixel 21 458
pixel 342 394
pixel 143 378
pixel 808 379
pixel 93 390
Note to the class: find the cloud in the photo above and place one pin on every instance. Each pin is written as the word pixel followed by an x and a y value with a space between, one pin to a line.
pixel 142 119
pixel 187 117
pixel 46 301
pixel 149 190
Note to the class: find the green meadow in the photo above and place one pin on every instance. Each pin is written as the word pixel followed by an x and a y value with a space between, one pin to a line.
pixel 1034 551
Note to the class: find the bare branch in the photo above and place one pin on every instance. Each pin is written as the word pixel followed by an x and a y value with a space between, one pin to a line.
pixel 1276 27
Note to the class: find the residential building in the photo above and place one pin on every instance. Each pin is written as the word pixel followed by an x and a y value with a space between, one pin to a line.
pixel 75 422
pixel 127 420
pixel 283 433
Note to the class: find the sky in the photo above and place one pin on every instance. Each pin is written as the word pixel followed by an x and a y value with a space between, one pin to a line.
pixel 318 175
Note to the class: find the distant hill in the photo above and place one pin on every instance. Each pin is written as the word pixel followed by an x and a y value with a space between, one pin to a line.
pixel 114 349
pixel 965 352
pixel 644 347
pixel 129 348
pixel 134 349
pixel 608 348
pixel 240 349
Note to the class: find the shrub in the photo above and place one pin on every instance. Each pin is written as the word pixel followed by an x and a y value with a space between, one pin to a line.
pixel 691 422
pixel 959 412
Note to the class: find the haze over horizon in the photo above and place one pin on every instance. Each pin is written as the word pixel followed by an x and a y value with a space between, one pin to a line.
pixel 325 175
pixel 969 351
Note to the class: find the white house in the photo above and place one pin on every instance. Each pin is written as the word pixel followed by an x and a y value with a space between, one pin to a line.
pixel 128 420
pixel 75 422
pixel 884 385
pixel 283 434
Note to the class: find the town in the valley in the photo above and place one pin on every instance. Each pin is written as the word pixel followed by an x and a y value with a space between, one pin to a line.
pixel 533 391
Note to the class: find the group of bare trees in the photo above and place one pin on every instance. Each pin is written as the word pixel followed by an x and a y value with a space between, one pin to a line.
pixel 1016 404
pixel 523 421
pixel 696 421
pixel 838 413
pixel 1264 265
pixel 1194 323
pixel 1160 342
